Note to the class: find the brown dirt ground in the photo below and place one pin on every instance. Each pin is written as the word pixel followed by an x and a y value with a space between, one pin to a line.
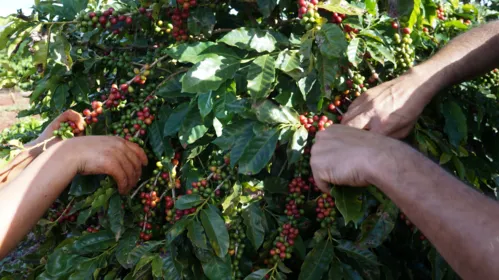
pixel 11 102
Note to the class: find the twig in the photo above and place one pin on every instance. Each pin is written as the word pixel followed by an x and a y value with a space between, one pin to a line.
pixel 339 111
pixel 44 144
pixel 223 182
pixel 145 222
pixel 213 173
pixel 221 30
pixel 140 187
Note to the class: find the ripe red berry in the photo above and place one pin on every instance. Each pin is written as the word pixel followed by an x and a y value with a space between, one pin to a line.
pixel 395 25
pixel 128 20
pixel 91 14
pixel 113 21
pixel 142 10
pixel 406 30
pixel 124 87
pixel 102 20
pixel 86 112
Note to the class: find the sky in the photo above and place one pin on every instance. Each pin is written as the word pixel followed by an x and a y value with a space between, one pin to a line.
pixel 8 7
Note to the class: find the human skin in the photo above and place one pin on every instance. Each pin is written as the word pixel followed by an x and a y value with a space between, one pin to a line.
pixel 35 148
pixel 460 222
pixel 393 108
pixel 26 198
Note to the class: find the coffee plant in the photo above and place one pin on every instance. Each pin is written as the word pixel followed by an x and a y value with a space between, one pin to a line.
pixel 226 97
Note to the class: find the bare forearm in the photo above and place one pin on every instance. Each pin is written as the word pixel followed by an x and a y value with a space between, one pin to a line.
pixel 17 165
pixel 24 200
pixel 459 221
pixel 468 55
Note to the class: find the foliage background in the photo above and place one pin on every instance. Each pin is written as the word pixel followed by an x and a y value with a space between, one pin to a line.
pixel 237 88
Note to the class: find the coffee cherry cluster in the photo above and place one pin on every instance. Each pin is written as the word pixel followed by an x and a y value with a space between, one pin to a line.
pixel 169 204
pixel 116 59
pixel 66 130
pixel 162 175
pixel 141 75
pixel 92 229
pixel 315 123
pixel 355 83
pixel 92 116
pixel 441 13
pixel 490 79
pixel 149 200
pixel 404 52
pixel 179 18
pixel 303 165
pixel 308 13
pixel 283 245
pixel 236 247
pixel 111 19
pixel 61 213
pixel 325 210
pixel 135 120
pixel 338 18
pixel 180 213
pixel 348 29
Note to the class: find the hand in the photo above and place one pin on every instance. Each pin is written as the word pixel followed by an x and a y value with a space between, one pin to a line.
pixel 391 108
pixel 110 155
pixel 344 155
pixel 48 133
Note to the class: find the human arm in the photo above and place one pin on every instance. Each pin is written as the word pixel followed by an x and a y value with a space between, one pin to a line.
pixel 392 108
pixel 35 147
pixel 459 221
pixel 25 199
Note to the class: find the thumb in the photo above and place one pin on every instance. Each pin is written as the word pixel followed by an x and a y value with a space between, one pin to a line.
pixel 322 185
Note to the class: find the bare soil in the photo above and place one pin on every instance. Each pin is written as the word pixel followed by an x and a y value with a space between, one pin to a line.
pixel 11 102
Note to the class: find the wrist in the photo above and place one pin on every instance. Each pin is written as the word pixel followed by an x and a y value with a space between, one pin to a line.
pixel 65 151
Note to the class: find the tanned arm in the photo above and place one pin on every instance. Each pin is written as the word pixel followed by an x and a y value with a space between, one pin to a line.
pixel 459 221
pixel 25 199
pixel 393 108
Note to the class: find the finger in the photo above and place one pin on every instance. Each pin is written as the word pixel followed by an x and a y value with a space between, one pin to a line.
pixel 134 159
pixel 113 168
pixel 360 121
pixel 401 133
pixel 138 151
pixel 129 170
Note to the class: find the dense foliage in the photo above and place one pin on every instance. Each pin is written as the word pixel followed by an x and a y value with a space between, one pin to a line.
pixel 226 97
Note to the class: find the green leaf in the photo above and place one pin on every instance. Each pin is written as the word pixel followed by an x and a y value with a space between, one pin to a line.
pixel 299 248
pixel 10 28
pixel 266 6
pixel 371 6
pixel 317 261
pixel 376 228
pixel 231 200
pixel 157 267
pixel 327 70
pixel 59 50
pixel 340 270
pixel 94 242
pixel 82 185
pixel 216 230
pixel 341 7
pixel 71 8
pixel 209 74
pixel 415 13
pixel 332 41
pixel 195 232
pixel 288 60
pixel 241 135
pixel 456 126
pixel 379 52
pixel 144 260
pixel 116 215
pixel 363 257
pixel 254 219
pixel 261 76
pixel 306 84
pixel 80 88
pixel 172 88
pixel 125 246
pixel 276 185
pixel 201 21
pixel 192 127
pixel 136 253
pixel 267 112
pixel 439 266
pixel 297 145
pixel 86 268
pixel 224 96
pixel 205 103
pixel 349 202
pixel 170 271
pixel 258 275
pixel 258 152
pixel 250 39
pixel 188 201
pixel 189 52
pixel 61 264
pixel 356 50
pixel 156 139
pixel 174 122
pixel 218 268
pixel 60 96
pixel 177 229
